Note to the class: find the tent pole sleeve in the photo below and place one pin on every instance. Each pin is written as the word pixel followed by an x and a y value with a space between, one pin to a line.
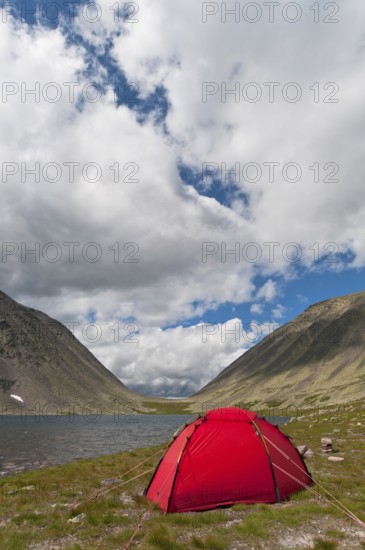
pixel 277 492
pixel 176 471
pixel 181 453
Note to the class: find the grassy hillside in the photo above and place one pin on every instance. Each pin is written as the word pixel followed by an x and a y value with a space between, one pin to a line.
pixel 317 357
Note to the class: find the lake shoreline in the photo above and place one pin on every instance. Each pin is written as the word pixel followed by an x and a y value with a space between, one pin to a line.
pixel 51 507
pixel 32 443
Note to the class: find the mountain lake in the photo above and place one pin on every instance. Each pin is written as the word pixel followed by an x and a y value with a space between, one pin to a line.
pixel 31 442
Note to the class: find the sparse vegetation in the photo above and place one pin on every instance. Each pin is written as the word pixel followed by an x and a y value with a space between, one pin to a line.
pixel 7 383
pixel 168 406
pixel 35 507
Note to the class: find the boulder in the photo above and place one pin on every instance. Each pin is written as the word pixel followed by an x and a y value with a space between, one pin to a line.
pixel 326 444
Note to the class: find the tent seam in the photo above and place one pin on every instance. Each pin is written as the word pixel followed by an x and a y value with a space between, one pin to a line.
pixel 277 492
pixel 177 468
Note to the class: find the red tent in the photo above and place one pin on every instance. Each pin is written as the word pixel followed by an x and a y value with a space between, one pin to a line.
pixel 224 457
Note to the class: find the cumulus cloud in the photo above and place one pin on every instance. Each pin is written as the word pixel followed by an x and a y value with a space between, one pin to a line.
pixel 233 131
pixel 257 309
pixel 279 311
pixel 108 224
pixel 138 224
pixel 172 362
pixel 268 291
pixel 183 358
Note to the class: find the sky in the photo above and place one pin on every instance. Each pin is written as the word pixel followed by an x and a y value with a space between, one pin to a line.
pixel 179 179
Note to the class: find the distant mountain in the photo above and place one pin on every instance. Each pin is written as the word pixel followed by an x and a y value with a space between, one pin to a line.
pixel 319 356
pixel 43 363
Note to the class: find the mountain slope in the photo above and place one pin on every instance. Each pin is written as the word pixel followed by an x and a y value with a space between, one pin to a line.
pixel 320 355
pixel 43 362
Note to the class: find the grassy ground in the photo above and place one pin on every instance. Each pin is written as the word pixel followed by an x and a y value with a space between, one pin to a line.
pixel 168 407
pixel 36 507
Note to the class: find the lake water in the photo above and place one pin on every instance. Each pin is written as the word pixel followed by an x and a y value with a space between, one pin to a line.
pixel 33 442
pixel 30 442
